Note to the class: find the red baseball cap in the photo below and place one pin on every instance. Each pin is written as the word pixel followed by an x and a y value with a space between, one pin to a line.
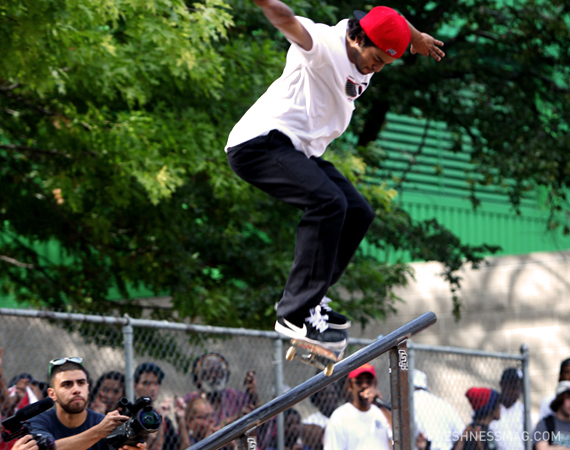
pixel 387 29
pixel 482 398
pixel 366 368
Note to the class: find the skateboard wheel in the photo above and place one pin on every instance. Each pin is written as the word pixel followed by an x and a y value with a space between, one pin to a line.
pixel 329 369
pixel 290 355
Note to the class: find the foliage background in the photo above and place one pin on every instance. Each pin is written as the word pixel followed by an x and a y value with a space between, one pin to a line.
pixel 114 114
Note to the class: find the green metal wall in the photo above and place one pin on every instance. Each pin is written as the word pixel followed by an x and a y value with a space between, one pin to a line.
pixel 435 185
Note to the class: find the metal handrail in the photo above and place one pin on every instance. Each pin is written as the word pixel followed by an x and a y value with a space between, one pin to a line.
pixel 262 414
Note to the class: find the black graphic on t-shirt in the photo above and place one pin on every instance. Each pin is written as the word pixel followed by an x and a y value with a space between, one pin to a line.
pixel 353 89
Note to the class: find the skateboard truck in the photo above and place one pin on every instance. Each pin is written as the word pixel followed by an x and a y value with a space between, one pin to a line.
pixel 313 355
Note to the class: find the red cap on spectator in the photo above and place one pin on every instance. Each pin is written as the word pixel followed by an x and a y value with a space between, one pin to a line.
pixel 388 30
pixel 482 398
pixel 366 368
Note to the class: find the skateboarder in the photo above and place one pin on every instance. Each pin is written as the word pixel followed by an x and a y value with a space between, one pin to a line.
pixel 278 144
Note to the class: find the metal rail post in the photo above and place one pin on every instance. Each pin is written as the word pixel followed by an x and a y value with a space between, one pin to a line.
pixel 526 395
pixel 245 442
pixel 412 388
pixel 399 390
pixel 278 346
pixel 129 369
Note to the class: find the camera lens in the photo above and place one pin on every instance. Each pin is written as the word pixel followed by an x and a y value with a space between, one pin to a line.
pixel 150 420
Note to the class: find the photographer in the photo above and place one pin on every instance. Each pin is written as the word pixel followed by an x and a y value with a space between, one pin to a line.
pixel 71 424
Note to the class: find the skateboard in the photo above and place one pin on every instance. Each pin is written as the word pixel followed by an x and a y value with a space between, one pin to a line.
pixel 313 355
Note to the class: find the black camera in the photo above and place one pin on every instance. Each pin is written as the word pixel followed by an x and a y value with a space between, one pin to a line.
pixel 16 427
pixel 143 421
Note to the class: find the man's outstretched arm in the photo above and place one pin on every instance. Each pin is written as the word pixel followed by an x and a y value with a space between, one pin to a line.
pixel 424 44
pixel 283 18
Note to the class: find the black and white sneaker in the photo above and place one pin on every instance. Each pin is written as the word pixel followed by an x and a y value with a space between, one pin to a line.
pixel 314 329
pixel 336 320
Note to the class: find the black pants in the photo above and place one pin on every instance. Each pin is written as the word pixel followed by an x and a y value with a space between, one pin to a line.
pixel 335 221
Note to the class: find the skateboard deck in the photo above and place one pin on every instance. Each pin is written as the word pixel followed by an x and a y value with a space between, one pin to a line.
pixel 313 355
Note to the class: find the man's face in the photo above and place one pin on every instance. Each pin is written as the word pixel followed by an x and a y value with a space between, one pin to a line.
pixel 70 390
pixel 359 385
pixel 201 420
pixel 497 412
pixel 110 393
pixel 21 386
pixel 368 59
pixel 212 375
pixel 148 385
pixel 565 407
pixel 510 392
pixel 565 373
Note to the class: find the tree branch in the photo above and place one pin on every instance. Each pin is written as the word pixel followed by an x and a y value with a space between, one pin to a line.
pixel 11 87
pixel 21 99
pixel 16 262
pixel 24 148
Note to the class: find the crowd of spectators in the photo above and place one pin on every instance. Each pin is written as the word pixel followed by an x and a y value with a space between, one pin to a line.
pixel 348 414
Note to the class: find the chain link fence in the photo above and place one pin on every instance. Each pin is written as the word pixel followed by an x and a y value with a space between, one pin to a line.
pixel 30 339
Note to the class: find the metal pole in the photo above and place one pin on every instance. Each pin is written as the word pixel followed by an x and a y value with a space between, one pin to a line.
pixel 129 369
pixel 278 346
pixel 399 390
pixel 412 389
pixel 245 442
pixel 318 382
pixel 526 394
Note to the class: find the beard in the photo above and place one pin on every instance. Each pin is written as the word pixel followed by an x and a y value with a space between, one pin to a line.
pixel 74 407
pixel 213 387
pixel 358 63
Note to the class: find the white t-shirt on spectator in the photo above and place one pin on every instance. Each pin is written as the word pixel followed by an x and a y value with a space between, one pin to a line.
pixel 510 428
pixel 437 420
pixel 317 418
pixel 352 429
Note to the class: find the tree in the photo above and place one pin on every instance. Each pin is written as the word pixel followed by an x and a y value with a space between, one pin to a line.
pixel 113 119
pixel 504 91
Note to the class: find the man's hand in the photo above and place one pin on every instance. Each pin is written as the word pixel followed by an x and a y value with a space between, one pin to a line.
pixel 165 406
pixel 138 447
pixel 421 442
pixel 370 393
pixel 111 421
pixel 26 443
pixel 250 385
pixel 179 408
pixel 250 382
pixel 426 45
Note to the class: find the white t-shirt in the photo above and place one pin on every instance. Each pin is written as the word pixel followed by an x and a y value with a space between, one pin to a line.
pixel 313 100
pixel 317 418
pixel 351 429
pixel 510 428
pixel 437 420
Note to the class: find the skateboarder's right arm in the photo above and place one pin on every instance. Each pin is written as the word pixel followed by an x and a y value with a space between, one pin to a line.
pixel 283 18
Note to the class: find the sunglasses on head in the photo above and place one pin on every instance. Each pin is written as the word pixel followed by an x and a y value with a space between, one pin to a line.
pixel 61 361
